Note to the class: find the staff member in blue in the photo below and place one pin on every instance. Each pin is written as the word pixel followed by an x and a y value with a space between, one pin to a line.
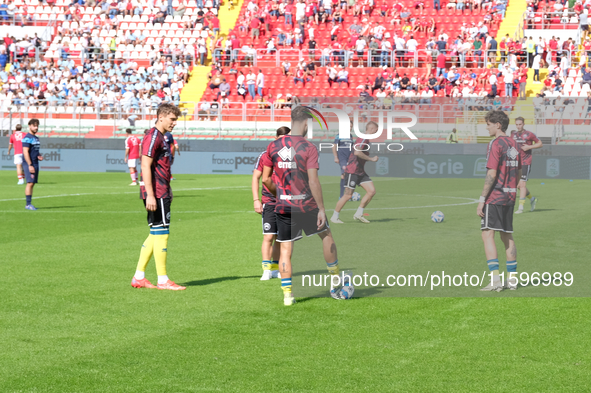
pixel 32 157
pixel 341 150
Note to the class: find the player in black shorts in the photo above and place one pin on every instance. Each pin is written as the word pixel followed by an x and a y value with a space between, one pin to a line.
pixel 497 201
pixel 269 248
pixel 300 205
pixel 355 175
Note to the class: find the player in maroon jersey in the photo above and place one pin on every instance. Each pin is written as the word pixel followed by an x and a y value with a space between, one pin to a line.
pixel 526 142
pixel 496 204
pixel 16 142
pixel 355 175
pixel 300 206
pixel 157 195
pixel 270 248
pixel 132 155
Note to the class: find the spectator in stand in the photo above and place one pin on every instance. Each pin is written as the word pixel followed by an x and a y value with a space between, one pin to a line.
pixel 343 76
pixel 260 82
pixel 241 88
pixel 251 84
pixel 441 60
pixel 585 77
pixel 332 73
pixel 536 68
pixel 522 75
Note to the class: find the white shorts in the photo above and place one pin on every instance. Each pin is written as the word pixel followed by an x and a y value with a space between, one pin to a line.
pixel 18 159
pixel 132 163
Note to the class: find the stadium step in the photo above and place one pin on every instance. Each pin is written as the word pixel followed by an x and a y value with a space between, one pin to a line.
pixel 534 88
pixel 194 89
pixel 101 132
pixel 524 109
pixel 512 20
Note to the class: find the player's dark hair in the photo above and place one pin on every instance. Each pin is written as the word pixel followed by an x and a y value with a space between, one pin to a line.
pixel 300 113
pixel 128 131
pixel 166 109
pixel 34 122
pixel 520 118
pixel 499 117
pixel 19 127
pixel 146 131
pixel 283 131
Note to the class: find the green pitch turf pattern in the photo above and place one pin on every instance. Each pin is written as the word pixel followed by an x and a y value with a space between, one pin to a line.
pixel 71 322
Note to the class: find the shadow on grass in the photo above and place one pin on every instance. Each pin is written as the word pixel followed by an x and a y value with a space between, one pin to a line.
pixel 188 196
pixel 543 210
pixel 210 281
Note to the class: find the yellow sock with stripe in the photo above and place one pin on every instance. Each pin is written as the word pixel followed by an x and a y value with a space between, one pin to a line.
pixel 160 252
pixel 145 256
pixel 286 286
pixel 266 265
pixel 529 196
pixel 333 268
pixel 521 203
pixel 275 265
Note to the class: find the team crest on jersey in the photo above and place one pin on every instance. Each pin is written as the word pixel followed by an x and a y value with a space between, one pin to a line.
pixel 267 226
pixel 512 153
pixel 286 153
pixel 352 183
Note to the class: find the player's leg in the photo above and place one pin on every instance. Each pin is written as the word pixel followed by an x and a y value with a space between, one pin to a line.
pixel 287 233
pixel 161 233
pixel 31 179
pixel 341 203
pixel 132 172
pixel 511 252
pixel 269 248
pixel 370 192
pixel 490 223
pixel 342 190
pixel 18 161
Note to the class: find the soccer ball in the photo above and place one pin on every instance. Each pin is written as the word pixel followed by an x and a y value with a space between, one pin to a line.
pixel 356 196
pixel 437 216
pixel 347 291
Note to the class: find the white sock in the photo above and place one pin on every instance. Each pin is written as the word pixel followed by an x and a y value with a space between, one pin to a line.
pixel 162 279
pixel 139 275
pixel 335 215
pixel 359 211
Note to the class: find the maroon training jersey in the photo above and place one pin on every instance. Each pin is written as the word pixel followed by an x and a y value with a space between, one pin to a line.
pixel 356 165
pixel 502 155
pixel 156 147
pixel 268 197
pixel 291 157
pixel 525 138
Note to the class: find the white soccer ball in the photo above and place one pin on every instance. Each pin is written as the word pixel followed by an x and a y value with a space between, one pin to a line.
pixel 437 216
pixel 356 197
pixel 347 292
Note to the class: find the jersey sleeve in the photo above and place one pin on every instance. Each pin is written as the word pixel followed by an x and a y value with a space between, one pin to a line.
pixel 26 142
pixel 11 141
pixel 151 146
pixel 312 157
pixel 533 138
pixel 267 160
pixel 127 143
pixel 494 154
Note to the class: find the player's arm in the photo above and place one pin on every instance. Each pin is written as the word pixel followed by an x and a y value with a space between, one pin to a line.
pixel 256 176
pixel 10 148
pixel 363 156
pixel 334 152
pixel 489 182
pixel 176 148
pixel 147 178
pixel 27 158
pixel 316 190
pixel 536 145
pixel 267 181
pixel 126 153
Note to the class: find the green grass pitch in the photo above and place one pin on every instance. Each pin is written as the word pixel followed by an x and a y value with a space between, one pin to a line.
pixel 71 322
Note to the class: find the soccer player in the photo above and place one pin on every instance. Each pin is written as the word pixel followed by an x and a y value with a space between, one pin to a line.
pixel 526 141
pixel 16 142
pixel 341 150
pixel 132 154
pixel 173 148
pixel 355 176
pixel 300 206
pixel 157 195
pixel 270 248
pixel 496 204
pixel 32 157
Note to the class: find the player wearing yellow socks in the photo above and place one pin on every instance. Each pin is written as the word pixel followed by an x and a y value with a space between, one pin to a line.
pixel 293 163
pixel 157 195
